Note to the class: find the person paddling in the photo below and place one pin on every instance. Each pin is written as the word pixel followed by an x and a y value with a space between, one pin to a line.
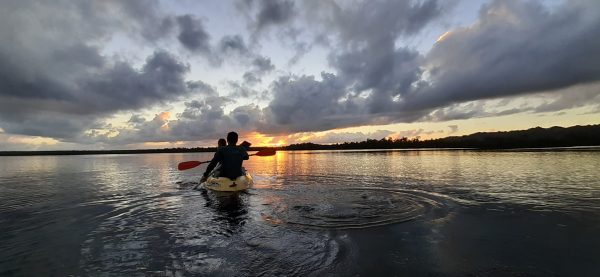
pixel 231 158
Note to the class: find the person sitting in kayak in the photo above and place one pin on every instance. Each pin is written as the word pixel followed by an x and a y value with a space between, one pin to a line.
pixel 230 157
pixel 221 143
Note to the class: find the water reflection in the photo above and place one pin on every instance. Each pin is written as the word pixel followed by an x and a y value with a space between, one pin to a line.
pixel 311 213
pixel 230 211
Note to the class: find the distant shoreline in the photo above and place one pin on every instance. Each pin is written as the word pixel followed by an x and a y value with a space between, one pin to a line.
pixel 534 139
pixel 161 151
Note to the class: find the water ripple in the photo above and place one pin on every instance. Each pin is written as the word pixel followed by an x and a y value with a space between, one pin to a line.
pixel 354 208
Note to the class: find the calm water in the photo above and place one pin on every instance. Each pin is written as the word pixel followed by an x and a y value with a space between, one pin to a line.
pixel 392 213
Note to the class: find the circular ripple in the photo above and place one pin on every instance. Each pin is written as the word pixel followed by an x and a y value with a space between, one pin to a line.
pixel 354 208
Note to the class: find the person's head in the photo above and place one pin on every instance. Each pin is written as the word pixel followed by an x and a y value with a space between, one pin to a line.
pixel 232 138
pixel 221 142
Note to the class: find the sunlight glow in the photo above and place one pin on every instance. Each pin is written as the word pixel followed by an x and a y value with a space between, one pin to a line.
pixel 443 36
pixel 31 140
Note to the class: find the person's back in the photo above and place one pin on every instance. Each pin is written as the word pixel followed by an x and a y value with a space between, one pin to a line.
pixel 231 158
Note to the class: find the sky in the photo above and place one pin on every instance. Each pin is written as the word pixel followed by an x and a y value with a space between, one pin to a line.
pixel 154 74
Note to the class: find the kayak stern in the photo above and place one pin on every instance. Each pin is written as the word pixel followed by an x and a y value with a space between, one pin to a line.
pixel 225 184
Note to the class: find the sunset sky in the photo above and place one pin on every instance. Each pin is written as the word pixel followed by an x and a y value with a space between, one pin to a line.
pixel 154 74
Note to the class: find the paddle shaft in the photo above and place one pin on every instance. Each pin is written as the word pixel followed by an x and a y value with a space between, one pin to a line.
pixel 191 164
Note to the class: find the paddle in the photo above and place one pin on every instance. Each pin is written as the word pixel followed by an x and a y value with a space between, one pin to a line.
pixel 191 164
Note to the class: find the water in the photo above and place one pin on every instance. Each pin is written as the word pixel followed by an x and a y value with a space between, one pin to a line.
pixel 406 213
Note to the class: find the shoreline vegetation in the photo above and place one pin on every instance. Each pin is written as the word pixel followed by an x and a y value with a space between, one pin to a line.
pixel 538 137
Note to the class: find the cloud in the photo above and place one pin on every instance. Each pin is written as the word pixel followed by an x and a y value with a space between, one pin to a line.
pixel 265 13
pixel 192 34
pixel 367 21
pixel 234 48
pixel 332 137
pixel 56 82
pixel 63 109
pixel 572 97
pixel 453 128
pixel 240 90
pixel 415 133
pixel 336 137
pixel 62 82
pixel 260 66
pixel 515 48
pixel 305 104
pixel 371 71
pixel 233 45
pixel 274 12
pixel 263 64
pixel 17 142
pixel 200 120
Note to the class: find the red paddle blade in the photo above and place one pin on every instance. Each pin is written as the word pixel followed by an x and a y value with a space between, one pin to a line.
pixel 265 152
pixel 188 165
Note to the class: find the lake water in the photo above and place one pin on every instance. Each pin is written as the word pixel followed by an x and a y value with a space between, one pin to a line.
pixel 335 213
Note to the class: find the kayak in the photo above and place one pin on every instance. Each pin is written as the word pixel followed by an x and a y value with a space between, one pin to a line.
pixel 225 184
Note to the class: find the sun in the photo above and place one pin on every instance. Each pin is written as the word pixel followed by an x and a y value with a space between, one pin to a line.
pixel 258 139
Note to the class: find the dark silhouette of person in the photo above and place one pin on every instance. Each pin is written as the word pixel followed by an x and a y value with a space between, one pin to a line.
pixel 217 170
pixel 221 143
pixel 231 158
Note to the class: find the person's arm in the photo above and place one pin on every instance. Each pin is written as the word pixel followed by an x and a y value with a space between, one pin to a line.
pixel 246 145
pixel 244 153
pixel 215 160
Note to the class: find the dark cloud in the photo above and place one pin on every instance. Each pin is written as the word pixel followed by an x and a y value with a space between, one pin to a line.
pixel 468 110
pixel 54 79
pixel 136 119
pixel 206 119
pixel 250 78
pixel 573 97
pixel 52 66
pixel 385 71
pixel 192 34
pixel 300 48
pixel 369 58
pixel 233 44
pixel 201 88
pixel 57 125
pixel 305 104
pixel 515 48
pixel 265 13
pixel 372 73
pixel 61 109
pixel 369 21
pixel 266 17
pixel 260 66
pixel 274 12
pixel 123 87
pixel 239 90
pixel 263 64
pixel 200 120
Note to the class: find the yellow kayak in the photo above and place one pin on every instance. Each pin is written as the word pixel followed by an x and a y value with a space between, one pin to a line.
pixel 225 184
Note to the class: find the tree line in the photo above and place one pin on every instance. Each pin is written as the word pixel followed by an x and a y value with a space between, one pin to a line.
pixel 532 138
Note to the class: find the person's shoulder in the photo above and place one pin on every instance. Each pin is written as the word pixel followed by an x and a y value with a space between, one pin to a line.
pixel 235 148
pixel 229 148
